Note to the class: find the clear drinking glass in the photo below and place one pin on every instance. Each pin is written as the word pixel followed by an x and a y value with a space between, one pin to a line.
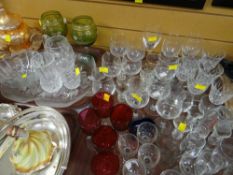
pixel 151 40
pixel 147 132
pixel 104 85
pixel 59 48
pixel 149 156
pixel 205 105
pixel 112 63
pixel 191 48
pixel 130 67
pixel 210 60
pixel 171 47
pixel 118 44
pixel 50 79
pixel 221 90
pixel 166 68
pixel 202 80
pixel 133 167
pixel 183 124
pixel 159 89
pixel 188 68
pixel 128 145
pixel 171 107
pixel 186 164
pixel 135 50
pixel 136 95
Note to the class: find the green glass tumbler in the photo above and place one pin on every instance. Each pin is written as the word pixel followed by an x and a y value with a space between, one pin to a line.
pixel 84 30
pixel 53 23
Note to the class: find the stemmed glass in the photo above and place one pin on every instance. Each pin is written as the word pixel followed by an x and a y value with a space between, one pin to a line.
pixel 189 63
pixel 171 47
pixel 149 157
pixel 136 94
pixel 135 50
pixel 118 44
pixel 221 90
pixel 147 132
pixel 128 145
pixel 151 40
pixel 133 167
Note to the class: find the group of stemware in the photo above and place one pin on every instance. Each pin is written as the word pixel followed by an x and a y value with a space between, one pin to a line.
pixel 183 84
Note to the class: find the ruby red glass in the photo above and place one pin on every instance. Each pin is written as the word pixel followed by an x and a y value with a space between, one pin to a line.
pixel 104 137
pixel 102 102
pixel 105 163
pixel 121 116
pixel 88 120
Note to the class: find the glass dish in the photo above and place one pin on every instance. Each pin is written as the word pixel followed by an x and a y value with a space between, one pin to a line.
pixel 40 118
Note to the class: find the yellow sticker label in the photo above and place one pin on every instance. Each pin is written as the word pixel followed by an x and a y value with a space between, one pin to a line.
pixel 173 67
pixel 39 22
pixel 77 71
pixel 7 38
pixel 182 127
pixel 139 1
pixel 136 97
pixel 103 69
pixel 200 87
pixel 152 38
pixel 23 76
pixel 106 97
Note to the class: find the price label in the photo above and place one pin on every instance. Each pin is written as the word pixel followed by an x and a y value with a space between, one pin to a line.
pixel 106 97
pixel 77 71
pixel 8 38
pixel 103 69
pixel 137 97
pixel 139 1
pixel 173 67
pixel 182 127
pixel 23 76
pixel 152 38
pixel 200 87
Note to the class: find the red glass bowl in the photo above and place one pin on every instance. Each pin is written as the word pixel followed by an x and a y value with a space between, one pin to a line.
pixel 102 102
pixel 121 116
pixel 89 120
pixel 105 163
pixel 104 137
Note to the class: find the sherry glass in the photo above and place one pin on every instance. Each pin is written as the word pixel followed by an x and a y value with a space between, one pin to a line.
pixel 147 132
pixel 171 47
pixel 136 95
pixel 128 145
pixel 135 50
pixel 151 40
pixel 118 44
pixel 133 167
pixel 149 156
pixel 221 90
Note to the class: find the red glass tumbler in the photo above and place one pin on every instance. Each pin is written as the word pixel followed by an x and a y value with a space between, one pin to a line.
pixel 102 102
pixel 105 163
pixel 89 121
pixel 121 116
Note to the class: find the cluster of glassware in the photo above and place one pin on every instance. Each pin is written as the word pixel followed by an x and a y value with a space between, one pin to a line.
pixel 184 85
pixel 53 75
